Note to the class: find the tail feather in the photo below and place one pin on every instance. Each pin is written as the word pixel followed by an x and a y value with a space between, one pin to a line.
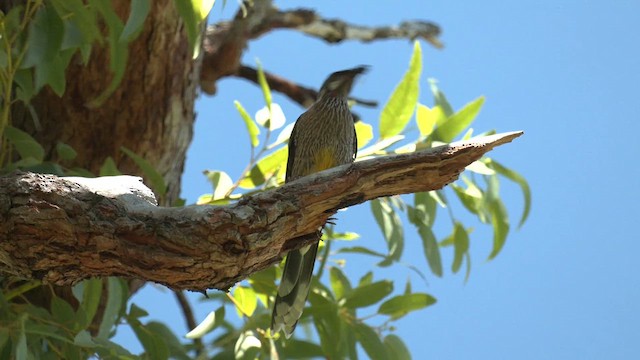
pixel 294 289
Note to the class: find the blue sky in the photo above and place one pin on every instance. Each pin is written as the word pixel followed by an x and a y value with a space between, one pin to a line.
pixel 567 73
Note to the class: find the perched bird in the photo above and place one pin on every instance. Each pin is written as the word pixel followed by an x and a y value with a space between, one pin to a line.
pixel 323 137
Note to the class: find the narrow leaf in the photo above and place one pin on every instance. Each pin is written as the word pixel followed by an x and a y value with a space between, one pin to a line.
pixel 518 179
pixel 460 246
pixel 401 305
pixel 500 223
pixel 137 15
pixel 369 294
pixel 46 32
pixel 25 145
pixel 252 128
pixel 364 133
pixel 370 341
pixel 428 118
pixel 264 85
pixel 339 283
pixel 400 106
pixel 459 121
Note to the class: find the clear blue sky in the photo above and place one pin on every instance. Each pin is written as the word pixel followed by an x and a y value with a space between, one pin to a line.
pixel 567 73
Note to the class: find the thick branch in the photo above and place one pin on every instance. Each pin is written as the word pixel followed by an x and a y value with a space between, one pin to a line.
pixel 63 231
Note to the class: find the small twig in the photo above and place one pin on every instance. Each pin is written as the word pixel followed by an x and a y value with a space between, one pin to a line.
pixel 189 318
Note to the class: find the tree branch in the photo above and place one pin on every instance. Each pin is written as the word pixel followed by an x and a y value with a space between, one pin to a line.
pixel 225 42
pixel 63 230
pixel 302 95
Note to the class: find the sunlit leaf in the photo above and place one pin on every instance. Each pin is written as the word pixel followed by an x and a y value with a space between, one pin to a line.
pixel 459 121
pixel 246 301
pixel 439 98
pixel 271 117
pixel 399 108
pixel 221 183
pixel 264 85
pixel 428 118
pixel 378 147
pixel 364 133
pixel 206 326
pixel 480 167
pixel 265 168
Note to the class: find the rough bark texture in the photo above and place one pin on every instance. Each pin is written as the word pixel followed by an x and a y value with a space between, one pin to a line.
pixel 62 232
pixel 151 113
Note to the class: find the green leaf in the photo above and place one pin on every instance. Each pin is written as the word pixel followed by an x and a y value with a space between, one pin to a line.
pixel 518 179
pixel 364 133
pixel 46 32
pixel 252 128
pixel 193 12
pixel 328 324
pixel 137 15
pixel 52 73
pixel 460 246
pixel 370 341
pixel 65 152
pixel 266 168
pixel 396 349
pixel 149 171
pixel 264 85
pixel 391 227
pixel 428 118
pixel 154 345
pixel 299 349
pixel 500 223
pixel 367 295
pixel 399 306
pixel 425 206
pixel 459 121
pixel 339 283
pixel 431 249
pixel 440 99
pixel 21 346
pixel 360 250
pixel 136 312
pixel 25 145
pixel 176 349
pixel 113 306
pixel 246 301
pixel 366 279
pixel 398 110
pixel 91 296
pixel 83 339
pixel 109 168
pixel 468 199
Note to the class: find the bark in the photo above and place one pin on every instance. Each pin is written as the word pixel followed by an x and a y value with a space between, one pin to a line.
pixel 63 231
pixel 151 113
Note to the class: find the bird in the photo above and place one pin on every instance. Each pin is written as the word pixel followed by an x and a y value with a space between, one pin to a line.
pixel 323 137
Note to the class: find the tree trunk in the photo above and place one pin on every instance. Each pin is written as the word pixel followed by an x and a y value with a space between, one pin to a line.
pixel 151 112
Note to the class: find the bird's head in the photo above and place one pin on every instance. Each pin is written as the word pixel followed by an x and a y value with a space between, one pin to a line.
pixel 339 83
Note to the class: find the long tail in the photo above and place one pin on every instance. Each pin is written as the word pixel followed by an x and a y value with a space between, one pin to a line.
pixel 294 289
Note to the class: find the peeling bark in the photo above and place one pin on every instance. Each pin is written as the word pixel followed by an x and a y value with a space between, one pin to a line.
pixel 65 230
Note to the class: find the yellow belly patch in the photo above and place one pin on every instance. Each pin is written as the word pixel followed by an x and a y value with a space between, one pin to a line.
pixel 324 159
